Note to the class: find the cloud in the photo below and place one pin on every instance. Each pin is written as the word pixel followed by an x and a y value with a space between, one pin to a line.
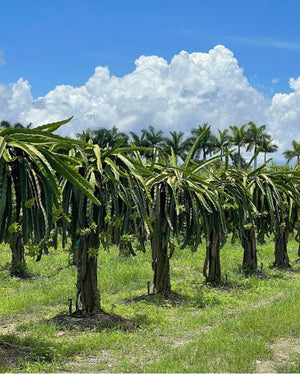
pixel 191 89
pixel 275 80
pixel 283 115
pixel 2 60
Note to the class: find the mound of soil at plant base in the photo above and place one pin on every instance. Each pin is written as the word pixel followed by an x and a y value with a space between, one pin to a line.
pixel 11 354
pixel 173 299
pixel 98 321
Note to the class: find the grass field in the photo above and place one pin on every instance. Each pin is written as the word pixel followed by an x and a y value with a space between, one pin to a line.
pixel 246 325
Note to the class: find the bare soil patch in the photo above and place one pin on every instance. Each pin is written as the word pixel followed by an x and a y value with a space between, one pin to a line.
pixel 11 354
pixel 190 336
pixel 265 302
pixel 96 322
pixel 282 349
pixel 173 299
pixel 104 361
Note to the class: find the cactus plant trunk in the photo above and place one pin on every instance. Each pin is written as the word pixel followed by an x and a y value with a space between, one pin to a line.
pixel 87 281
pixel 212 261
pixel 248 241
pixel 281 255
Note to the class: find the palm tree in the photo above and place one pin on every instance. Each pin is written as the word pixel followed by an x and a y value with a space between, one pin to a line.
pixel 177 143
pixel 222 142
pixel 17 125
pixel 256 135
pixel 5 124
pixel 139 141
pixel 238 161
pixel 238 138
pixel 109 137
pixel 295 152
pixel 205 145
pixel 267 146
pixel 152 137
pixel 85 136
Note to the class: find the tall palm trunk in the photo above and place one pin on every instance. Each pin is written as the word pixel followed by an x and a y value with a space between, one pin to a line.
pixel 255 158
pixel 212 260
pixel 250 254
pixel 239 160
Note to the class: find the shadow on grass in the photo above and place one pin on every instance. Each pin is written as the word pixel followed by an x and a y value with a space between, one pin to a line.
pixel 20 349
pixel 11 355
pixel 97 322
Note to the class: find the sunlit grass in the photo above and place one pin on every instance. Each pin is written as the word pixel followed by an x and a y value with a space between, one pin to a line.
pixel 210 330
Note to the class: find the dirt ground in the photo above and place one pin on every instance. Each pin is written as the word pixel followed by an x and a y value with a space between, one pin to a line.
pixel 282 349
pixel 11 354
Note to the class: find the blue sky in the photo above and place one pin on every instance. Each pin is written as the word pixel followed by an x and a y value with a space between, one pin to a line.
pixel 62 41
pixel 117 62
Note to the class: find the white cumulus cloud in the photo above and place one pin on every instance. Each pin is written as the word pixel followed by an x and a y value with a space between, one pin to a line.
pixel 191 89
pixel 283 115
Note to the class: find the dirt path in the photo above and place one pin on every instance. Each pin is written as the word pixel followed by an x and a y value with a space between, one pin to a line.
pixel 282 351
pixel 192 335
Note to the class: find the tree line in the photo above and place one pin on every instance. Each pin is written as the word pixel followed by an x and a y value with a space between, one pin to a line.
pixel 247 137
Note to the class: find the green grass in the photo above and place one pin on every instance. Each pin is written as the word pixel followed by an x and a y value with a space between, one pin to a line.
pixel 222 329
